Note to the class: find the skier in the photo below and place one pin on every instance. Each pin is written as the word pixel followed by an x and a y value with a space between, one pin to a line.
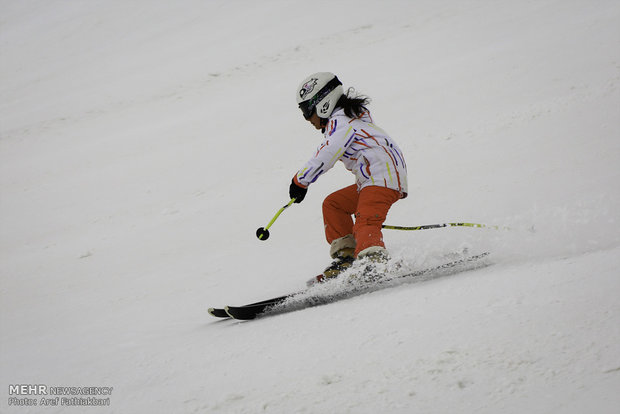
pixel 368 152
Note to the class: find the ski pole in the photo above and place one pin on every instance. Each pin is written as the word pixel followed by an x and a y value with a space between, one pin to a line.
pixel 442 225
pixel 263 232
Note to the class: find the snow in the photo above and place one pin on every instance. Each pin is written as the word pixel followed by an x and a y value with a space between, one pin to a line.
pixel 142 143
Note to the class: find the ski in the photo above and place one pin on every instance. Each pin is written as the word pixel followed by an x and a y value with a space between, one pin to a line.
pixel 248 312
pixel 253 310
pixel 218 312
pixel 221 312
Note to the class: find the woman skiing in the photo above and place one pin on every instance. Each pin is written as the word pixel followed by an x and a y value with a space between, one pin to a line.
pixel 368 152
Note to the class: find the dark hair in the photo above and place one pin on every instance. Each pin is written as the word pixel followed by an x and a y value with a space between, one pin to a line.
pixel 354 105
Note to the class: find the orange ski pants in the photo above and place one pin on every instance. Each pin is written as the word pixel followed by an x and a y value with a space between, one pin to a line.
pixel 370 207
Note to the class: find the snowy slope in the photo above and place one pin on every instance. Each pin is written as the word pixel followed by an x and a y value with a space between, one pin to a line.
pixel 143 142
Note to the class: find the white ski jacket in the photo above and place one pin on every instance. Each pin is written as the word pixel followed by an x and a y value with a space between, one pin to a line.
pixel 365 150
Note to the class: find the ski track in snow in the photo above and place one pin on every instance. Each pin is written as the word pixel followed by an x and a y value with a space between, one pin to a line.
pixel 142 143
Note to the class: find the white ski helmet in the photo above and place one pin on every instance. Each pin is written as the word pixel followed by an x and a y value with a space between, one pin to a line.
pixel 319 91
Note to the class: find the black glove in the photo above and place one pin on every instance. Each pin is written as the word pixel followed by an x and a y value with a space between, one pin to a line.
pixel 297 192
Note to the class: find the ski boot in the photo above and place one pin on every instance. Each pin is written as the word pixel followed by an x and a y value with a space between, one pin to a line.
pixel 342 261
pixel 371 264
